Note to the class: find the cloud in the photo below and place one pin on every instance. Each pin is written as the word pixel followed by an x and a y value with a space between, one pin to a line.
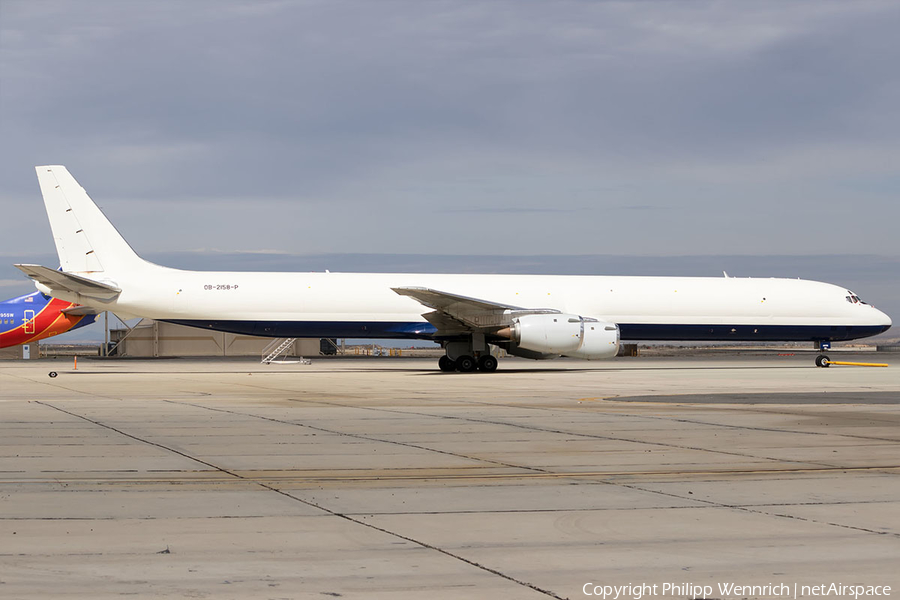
pixel 748 127
pixel 11 283
pixel 647 207
pixel 511 210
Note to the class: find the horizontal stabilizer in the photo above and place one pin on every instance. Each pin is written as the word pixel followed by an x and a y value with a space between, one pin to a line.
pixel 80 311
pixel 60 281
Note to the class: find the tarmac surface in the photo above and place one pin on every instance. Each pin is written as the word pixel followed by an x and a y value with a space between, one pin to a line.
pixel 384 478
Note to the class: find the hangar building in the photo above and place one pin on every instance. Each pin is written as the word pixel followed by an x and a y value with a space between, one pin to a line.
pixel 151 338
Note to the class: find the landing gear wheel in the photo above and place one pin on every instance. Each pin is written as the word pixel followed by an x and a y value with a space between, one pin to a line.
pixel 487 364
pixel 446 365
pixel 52 374
pixel 822 361
pixel 466 364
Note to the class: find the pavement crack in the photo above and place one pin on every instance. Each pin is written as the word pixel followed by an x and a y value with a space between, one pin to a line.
pixel 359 436
pixel 139 439
pixel 311 504
pixel 562 432
pixel 758 511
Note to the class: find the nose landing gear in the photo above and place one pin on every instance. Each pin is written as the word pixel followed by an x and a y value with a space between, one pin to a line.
pixel 822 359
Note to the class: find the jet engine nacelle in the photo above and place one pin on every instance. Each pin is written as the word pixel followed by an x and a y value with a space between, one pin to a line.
pixel 601 340
pixel 516 350
pixel 568 335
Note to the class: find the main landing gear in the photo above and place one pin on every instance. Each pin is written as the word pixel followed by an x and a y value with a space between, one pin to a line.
pixel 467 364
pixel 467 356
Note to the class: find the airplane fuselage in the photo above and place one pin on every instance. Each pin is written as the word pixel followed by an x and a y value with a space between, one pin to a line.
pixel 363 305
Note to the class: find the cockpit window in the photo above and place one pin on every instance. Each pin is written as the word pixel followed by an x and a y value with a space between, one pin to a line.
pixel 854 299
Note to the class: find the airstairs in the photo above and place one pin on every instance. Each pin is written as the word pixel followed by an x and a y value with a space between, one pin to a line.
pixel 278 347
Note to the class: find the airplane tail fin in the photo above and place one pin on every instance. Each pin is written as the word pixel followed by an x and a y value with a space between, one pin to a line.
pixel 85 239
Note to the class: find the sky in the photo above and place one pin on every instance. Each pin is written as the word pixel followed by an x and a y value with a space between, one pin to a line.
pixel 268 132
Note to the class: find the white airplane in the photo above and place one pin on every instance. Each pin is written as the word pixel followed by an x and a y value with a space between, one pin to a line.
pixel 535 316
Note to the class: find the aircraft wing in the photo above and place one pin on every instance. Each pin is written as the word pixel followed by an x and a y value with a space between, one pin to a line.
pixel 454 313
pixel 60 281
pixel 445 300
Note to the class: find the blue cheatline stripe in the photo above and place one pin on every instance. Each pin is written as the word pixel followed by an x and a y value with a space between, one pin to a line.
pixel 315 329
pixel 629 331
pixel 748 333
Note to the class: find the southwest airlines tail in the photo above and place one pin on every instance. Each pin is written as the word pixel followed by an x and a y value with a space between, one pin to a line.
pixel 35 316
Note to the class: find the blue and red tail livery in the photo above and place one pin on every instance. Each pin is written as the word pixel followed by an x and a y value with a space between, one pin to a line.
pixel 36 316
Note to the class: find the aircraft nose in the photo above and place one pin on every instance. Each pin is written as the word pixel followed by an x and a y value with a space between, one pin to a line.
pixel 884 320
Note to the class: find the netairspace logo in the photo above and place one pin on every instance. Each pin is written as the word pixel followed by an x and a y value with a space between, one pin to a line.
pixel 734 590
